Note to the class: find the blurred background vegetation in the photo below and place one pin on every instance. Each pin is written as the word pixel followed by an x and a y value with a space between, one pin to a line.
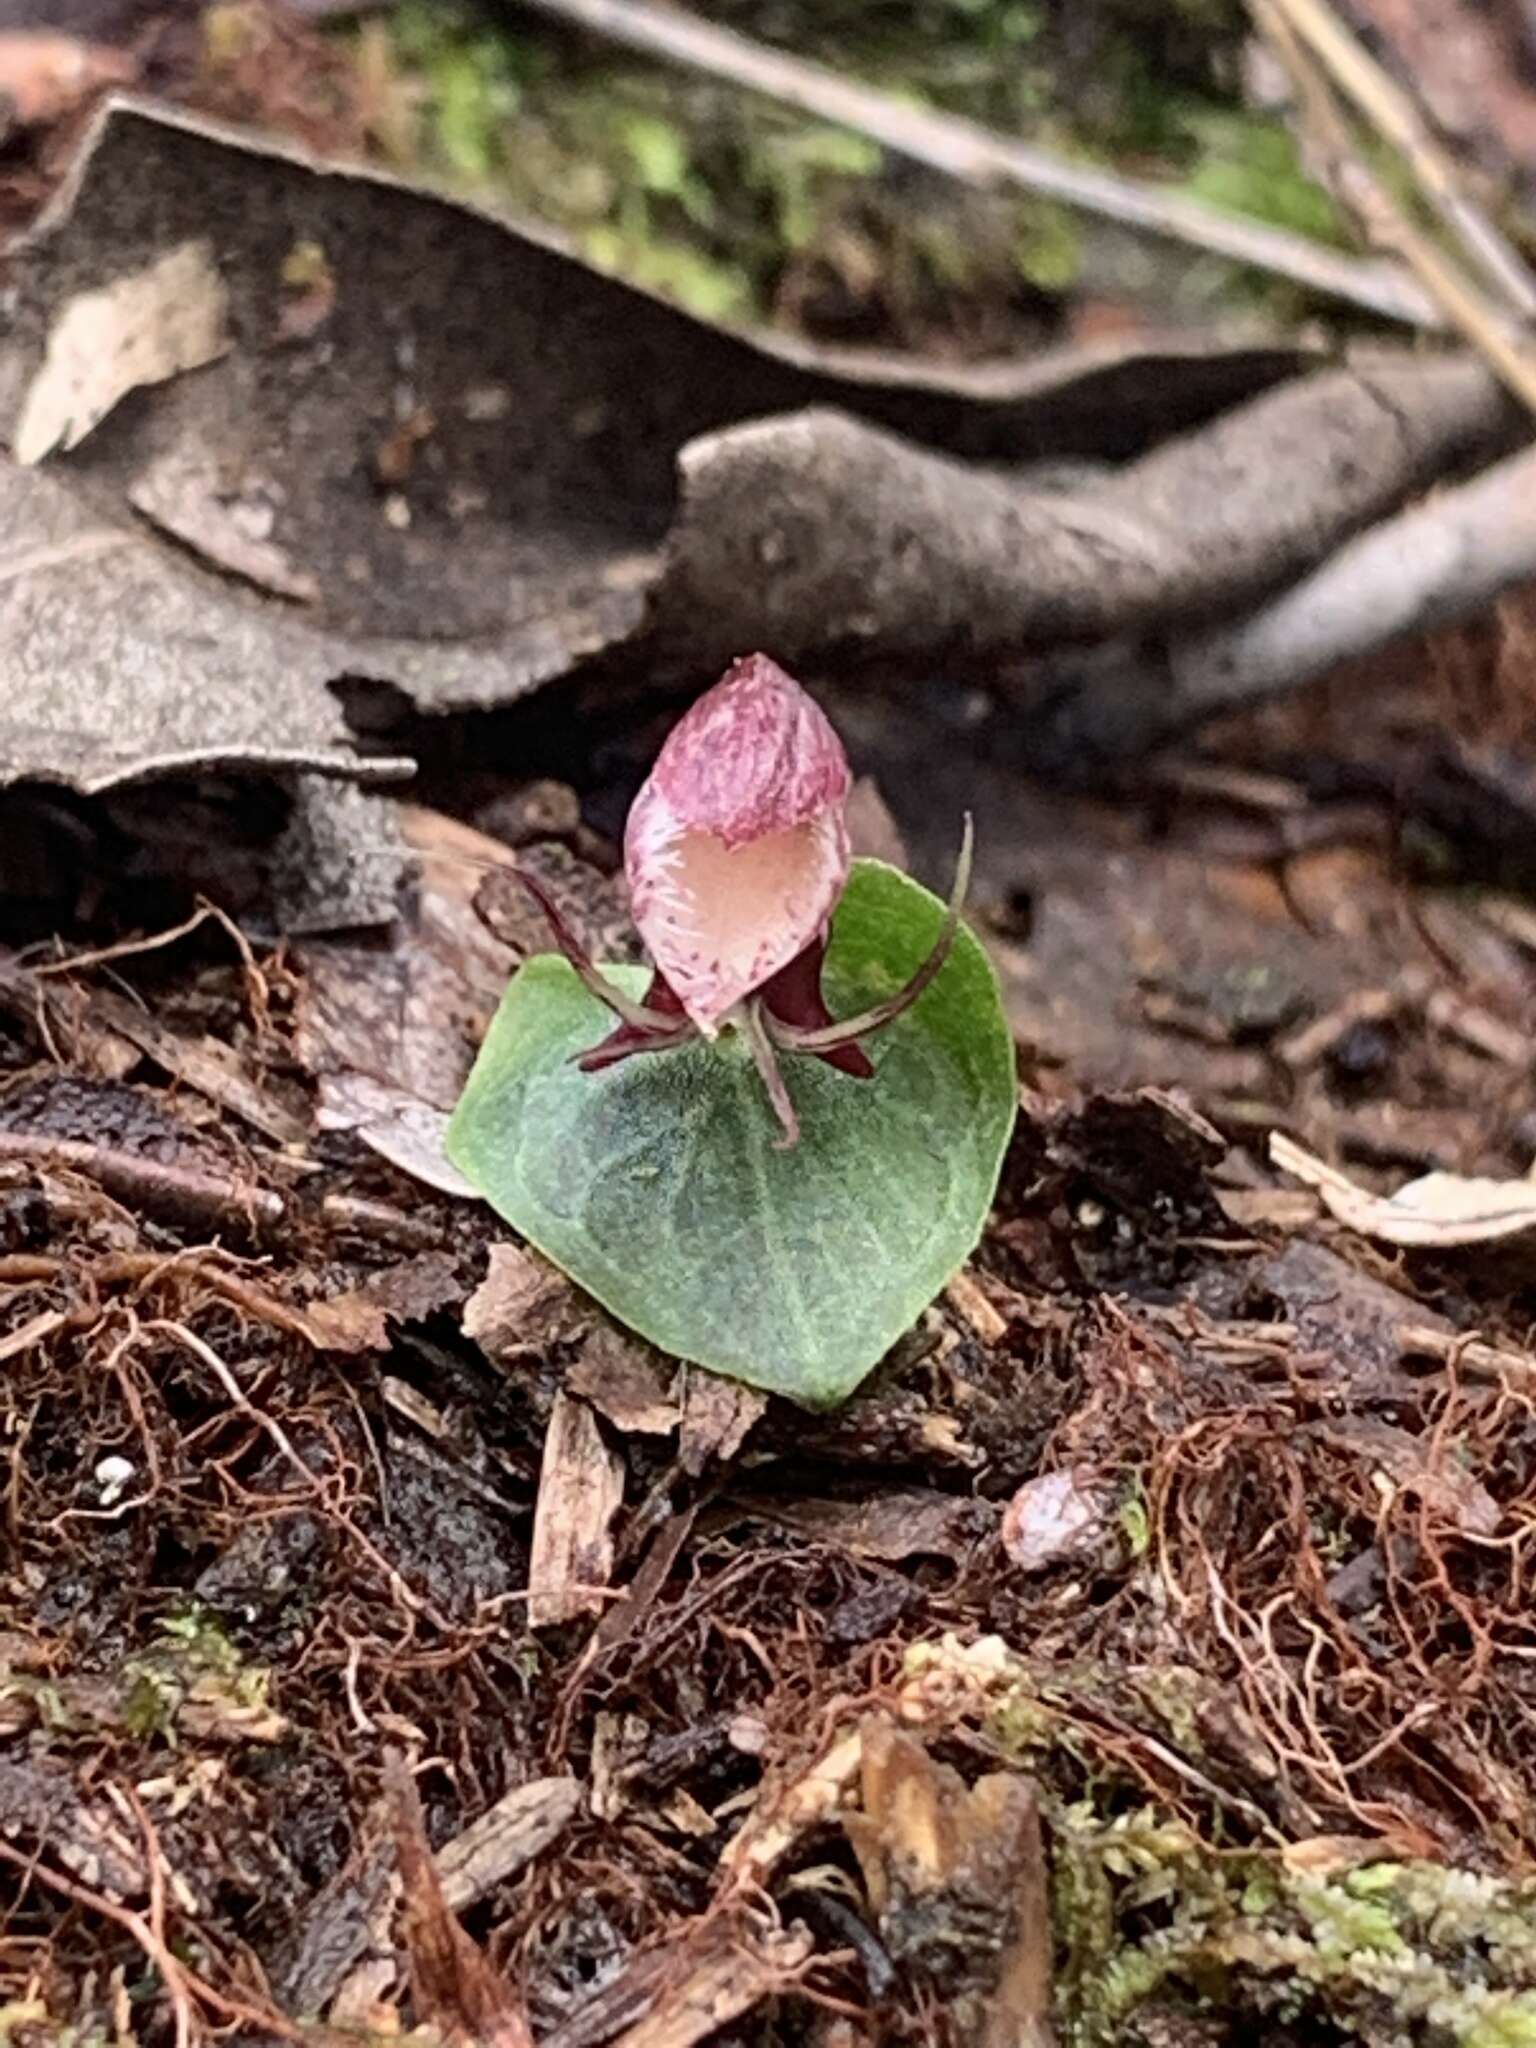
pixel 744 211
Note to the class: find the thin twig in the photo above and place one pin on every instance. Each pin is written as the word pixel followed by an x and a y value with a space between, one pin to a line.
pixel 1387 221
pixel 1469 1354
pixel 977 156
pixel 179 1193
pixel 37 1331
pixel 125 949
pixel 1396 116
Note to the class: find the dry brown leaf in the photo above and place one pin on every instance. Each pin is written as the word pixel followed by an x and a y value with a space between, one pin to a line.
pixel 522 1304
pixel 347 1323
pixel 1437 1209
pixel 1412 1464
pixel 625 1381
pixel 895 1523
pixel 718 1415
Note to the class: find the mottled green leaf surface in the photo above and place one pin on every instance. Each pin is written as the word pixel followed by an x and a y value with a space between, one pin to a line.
pixel 656 1184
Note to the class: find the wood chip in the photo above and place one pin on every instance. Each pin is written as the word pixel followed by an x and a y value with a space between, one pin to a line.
pixel 521 1825
pixel 787 1814
pixel 965 1296
pixel 581 1486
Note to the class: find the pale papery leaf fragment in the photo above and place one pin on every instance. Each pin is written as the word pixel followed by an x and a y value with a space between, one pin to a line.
pixel 1436 1209
pixel 171 316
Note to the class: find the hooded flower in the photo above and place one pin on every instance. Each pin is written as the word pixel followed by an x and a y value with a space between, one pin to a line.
pixel 736 849
pixel 736 852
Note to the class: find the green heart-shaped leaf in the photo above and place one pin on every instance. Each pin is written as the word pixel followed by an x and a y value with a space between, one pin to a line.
pixel 656 1184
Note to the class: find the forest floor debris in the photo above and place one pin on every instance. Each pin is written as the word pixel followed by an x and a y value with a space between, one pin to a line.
pixel 387 1639
pixel 337 1472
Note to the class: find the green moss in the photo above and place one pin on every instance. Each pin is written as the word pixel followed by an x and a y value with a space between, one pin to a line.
pixel 743 211
pixel 1154 1914
pixel 1393 1952
pixel 1247 164
pixel 1511 2024
pixel 194 1658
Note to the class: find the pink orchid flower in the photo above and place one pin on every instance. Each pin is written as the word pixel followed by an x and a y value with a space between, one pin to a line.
pixel 736 853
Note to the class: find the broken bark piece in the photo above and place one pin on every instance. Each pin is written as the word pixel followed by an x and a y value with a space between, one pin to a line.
pixel 453 1982
pixel 968 1298
pixel 521 1825
pixel 581 1487
pixel 347 1323
pixel 42 1805
pixel 346 1918
pixel 956 1877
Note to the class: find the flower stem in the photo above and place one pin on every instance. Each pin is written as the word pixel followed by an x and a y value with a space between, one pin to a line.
pixel 637 1015
pixel 847 1030
pixel 749 1018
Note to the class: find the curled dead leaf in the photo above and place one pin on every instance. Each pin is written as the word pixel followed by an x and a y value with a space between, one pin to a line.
pixel 1438 1209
